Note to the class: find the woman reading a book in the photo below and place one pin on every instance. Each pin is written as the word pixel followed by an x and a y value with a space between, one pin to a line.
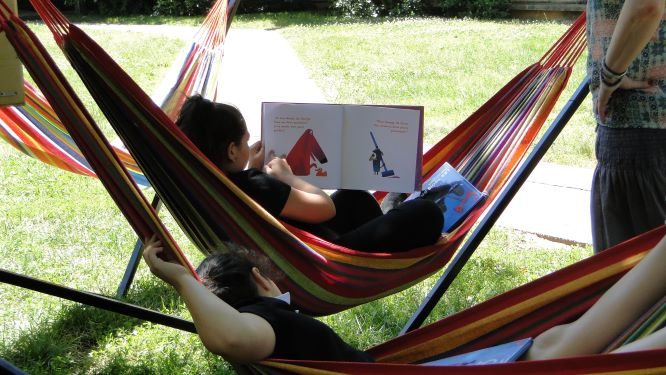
pixel 240 313
pixel 350 218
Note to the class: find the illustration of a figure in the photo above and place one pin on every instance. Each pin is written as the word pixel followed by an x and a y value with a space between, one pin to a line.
pixel 376 159
pixel 439 193
pixel 303 156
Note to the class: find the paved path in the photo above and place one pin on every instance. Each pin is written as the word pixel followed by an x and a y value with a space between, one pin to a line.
pixel 260 66
pixel 554 204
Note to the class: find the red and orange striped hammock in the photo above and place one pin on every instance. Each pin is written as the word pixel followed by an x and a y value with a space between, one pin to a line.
pixel 526 311
pixel 35 129
pixel 523 312
pixel 323 278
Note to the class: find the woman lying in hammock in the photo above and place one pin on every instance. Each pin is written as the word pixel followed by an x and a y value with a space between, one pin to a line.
pixel 349 218
pixel 241 314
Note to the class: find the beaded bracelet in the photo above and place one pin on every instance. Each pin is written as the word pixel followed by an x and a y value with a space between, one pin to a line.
pixel 609 77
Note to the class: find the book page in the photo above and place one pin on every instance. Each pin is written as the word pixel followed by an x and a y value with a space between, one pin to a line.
pixel 308 136
pixel 382 148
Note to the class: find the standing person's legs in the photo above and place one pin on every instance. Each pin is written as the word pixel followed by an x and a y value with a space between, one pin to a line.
pixel 628 195
pixel 413 224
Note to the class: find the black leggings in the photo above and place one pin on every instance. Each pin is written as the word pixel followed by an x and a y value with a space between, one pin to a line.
pixel 359 223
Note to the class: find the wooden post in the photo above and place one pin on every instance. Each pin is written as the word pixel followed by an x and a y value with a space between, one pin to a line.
pixel 11 79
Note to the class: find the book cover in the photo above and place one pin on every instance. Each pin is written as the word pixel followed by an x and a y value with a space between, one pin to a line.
pixel 347 146
pixel 503 353
pixel 454 195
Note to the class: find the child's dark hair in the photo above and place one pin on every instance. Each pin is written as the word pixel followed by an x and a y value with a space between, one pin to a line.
pixel 229 275
pixel 212 127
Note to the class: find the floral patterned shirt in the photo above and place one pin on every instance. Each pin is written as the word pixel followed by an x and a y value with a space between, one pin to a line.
pixel 627 108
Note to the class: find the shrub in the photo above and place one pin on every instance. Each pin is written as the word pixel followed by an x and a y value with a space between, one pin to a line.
pixel 113 7
pixel 254 6
pixel 474 8
pixel 182 7
pixel 379 8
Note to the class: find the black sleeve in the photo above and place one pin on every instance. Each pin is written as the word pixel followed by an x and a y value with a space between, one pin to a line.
pixel 269 192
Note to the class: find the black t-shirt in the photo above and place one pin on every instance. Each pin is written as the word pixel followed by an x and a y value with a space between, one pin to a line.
pixel 298 336
pixel 269 192
pixel 272 194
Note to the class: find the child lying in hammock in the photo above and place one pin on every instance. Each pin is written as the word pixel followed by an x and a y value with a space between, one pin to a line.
pixel 348 217
pixel 240 313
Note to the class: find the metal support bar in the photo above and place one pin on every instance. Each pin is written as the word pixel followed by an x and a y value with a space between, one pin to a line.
pixel 134 260
pixel 96 300
pixel 496 209
pixel 9 369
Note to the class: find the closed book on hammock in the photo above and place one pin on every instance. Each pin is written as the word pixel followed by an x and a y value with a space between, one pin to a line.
pixel 503 353
pixel 344 146
pixel 453 193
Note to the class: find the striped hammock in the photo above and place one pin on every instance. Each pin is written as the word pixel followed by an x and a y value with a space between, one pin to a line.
pixel 527 311
pixel 36 130
pixel 323 278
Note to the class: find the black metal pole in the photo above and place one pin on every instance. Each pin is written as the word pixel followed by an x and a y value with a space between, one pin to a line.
pixel 95 300
pixel 496 209
pixel 135 258
pixel 9 368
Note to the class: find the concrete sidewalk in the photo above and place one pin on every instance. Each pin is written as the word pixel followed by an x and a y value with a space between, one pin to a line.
pixel 260 66
pixel 554 203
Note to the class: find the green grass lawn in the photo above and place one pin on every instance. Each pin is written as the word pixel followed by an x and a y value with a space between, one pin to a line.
pixel 63 228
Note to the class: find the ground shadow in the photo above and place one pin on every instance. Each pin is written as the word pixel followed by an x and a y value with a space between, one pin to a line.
pixel 61 343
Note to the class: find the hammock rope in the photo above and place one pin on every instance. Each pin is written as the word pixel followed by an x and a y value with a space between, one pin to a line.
pixel 323 278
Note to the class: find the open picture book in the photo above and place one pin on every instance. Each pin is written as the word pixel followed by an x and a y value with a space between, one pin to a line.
pixel 344 146
pixel 454 195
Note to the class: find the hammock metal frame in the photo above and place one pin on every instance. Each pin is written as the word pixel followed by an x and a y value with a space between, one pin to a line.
pixel 494 211
pixel 323 278
pixel 471 243
pixel 134 311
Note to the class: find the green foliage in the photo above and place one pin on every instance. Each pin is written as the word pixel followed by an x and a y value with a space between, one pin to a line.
pixel 475 8
pixel 113 7
pixel 182 7
pixel 256 6
pixel 379 8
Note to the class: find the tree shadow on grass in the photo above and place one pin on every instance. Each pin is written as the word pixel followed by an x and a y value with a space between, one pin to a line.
pixel 62 343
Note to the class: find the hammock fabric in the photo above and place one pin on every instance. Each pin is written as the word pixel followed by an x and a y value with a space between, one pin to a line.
pixel 36 130
pixel 88 137
pixel 527 311
pixel 323 278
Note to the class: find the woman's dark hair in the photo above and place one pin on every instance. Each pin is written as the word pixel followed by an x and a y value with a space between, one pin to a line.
pixel 212 127
pixel 229 275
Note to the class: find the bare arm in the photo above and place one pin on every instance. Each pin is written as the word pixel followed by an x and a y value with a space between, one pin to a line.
pixel 306 202
pixel 622 304
pixel 238 337
pixel 656 340
pixel 638 22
